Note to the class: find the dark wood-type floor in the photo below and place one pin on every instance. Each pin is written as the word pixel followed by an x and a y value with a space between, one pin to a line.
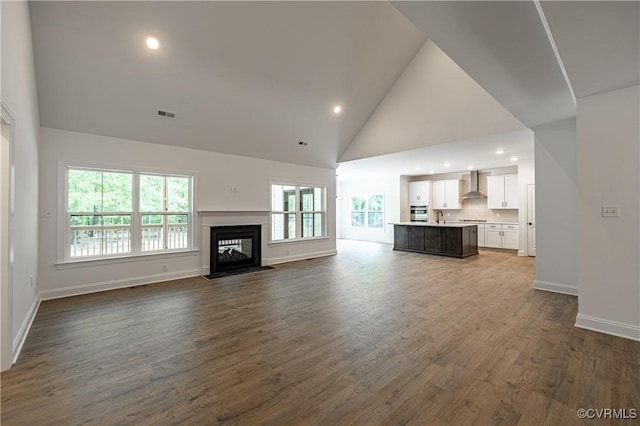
pixel 369 337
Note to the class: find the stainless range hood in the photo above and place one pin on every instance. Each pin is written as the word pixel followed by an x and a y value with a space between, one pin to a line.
pixel 474 193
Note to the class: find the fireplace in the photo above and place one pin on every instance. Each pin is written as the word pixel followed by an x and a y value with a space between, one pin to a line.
pixel 234 247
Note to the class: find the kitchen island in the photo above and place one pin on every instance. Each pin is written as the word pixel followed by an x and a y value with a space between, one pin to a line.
pixel 444 239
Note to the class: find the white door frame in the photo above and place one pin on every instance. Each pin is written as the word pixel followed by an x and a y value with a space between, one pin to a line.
pixel 530 228
pixel 7 209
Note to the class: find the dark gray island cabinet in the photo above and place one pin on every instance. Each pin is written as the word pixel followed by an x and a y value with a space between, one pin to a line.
pixel 447 239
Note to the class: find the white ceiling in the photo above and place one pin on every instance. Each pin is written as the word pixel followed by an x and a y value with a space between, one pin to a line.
pixel 433 102
pixel 599 42
pixel 254 78
pixel 479 153
pixel 245 78
pixel 503 46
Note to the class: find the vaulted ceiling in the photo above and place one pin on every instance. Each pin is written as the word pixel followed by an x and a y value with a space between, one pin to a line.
pixel 531 57
pixel 255 78
pixel 245 78
pixel 534 56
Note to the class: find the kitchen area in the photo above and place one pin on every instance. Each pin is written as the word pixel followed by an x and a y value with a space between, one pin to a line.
pixel 489 184
pixel 487 200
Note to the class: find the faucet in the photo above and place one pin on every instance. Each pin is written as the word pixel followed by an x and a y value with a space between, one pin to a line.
pixel 438 214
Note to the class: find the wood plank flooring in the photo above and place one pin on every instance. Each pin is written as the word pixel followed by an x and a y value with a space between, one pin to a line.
pixel 368 337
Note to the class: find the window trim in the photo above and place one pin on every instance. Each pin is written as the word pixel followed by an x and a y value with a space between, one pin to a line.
pixel 298 212
pixel 63 254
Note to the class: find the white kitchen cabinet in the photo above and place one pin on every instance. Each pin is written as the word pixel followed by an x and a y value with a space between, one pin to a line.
pixel 419 193
pixel 504 236
pixel 481 238
pixel 446 194
pixel 493 235
pixel 502 192
pixel 510 237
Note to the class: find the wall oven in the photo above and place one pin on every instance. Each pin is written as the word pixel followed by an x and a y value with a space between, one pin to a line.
pixel 420 213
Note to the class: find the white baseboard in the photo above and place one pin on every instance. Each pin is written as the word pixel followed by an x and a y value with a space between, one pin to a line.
pixel 556 287
pixel 116 284
pixel 21 337
pixel 614 328
pixel 303 256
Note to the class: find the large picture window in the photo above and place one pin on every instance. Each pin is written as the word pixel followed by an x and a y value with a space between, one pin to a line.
pixel 297 212
pixel 120 213
pixel 367 211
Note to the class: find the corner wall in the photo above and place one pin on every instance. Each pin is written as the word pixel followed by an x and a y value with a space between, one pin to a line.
pixel 214 175
pixel 608 152
pixel 18 91
pixel 556 207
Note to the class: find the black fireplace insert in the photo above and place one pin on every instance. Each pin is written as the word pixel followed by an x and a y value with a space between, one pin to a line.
pixel 234 247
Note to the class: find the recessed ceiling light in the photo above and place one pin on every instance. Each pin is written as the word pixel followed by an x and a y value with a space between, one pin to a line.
pixel 447 164
pixel 500 151
pixel 514 158
pixel 418 168
pixel 337 109
pixel 470 168
pixel 153 43
pixel 431 172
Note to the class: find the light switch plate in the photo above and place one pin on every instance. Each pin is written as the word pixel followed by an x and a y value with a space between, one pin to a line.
pixel 610 211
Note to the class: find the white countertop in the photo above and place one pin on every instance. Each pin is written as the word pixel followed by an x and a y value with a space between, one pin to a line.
pixel 488 223
pixel 437 225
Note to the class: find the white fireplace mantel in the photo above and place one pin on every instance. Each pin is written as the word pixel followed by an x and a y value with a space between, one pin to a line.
pixel 209 218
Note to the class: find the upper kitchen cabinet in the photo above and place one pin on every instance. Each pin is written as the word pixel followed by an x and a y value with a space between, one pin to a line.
pixel 502 192
pixel 419 193
pixel 446 194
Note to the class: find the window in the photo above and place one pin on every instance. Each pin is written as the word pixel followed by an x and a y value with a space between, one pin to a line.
pixel 297 212
pixel 120 213
pixel 367 212
pixel 164 208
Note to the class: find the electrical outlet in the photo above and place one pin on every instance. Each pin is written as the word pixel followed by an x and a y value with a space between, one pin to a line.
pixel 497 214
pixel 164 268
pixel 47 214
pixel 610 211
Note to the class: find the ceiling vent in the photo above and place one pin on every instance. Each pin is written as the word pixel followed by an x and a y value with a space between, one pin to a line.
pixel 166 114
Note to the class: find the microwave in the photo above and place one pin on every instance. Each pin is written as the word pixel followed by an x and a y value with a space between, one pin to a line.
pixel 420 213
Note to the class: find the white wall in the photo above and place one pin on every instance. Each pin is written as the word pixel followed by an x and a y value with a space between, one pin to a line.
pixel 389 187
pixel 556 207
pixel 608 153
pixel 18 91
pixel 215 175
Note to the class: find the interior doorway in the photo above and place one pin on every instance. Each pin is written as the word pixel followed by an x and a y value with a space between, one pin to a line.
pixel 7 196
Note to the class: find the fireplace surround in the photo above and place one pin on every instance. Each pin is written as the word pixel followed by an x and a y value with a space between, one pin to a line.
pixel 234 247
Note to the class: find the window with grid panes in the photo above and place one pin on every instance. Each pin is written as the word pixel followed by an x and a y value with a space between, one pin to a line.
pixel 121 213
pixel 297 212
